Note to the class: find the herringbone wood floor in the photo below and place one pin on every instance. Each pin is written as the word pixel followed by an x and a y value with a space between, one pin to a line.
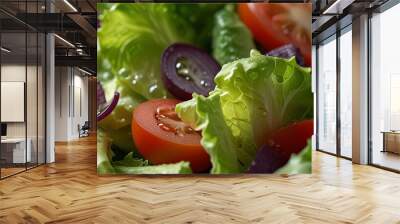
pixel 69 191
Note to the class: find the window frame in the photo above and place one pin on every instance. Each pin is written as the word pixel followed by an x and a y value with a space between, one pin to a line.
pixel 336 35
pixel 381 9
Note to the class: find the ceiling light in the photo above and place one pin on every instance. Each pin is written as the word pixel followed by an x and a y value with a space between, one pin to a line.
pixel 70 5
pixel 84 71
pixel 331 7
pixel 337 7
pixel 80 51
pixel 5 50
pixel 65 41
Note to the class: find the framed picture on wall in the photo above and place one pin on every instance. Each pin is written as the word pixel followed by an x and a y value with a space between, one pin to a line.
pixel 12 101
pixel 204 88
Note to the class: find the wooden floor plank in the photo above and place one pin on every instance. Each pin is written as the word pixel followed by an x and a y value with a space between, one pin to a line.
pixel 69 191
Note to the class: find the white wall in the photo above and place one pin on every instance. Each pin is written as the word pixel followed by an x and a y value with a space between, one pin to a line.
pixel 33 126
pixel 80 102
pixel 61 103
pixel 16 73
pixel 71 102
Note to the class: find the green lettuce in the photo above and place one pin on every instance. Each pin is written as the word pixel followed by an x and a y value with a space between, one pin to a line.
pixel 132 165
pixel 104 153
pixel 118 122
pixel 175 168
pixel 260 94
pixel 205 114
pixel 129 164
pixel 253 97
pixel 131 40
pixel 231 38
pixel 130 160
pixel 257 95
pixel 298 163
pixel 201 16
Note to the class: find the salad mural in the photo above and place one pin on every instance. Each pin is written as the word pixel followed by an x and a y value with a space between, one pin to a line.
pixel 204 88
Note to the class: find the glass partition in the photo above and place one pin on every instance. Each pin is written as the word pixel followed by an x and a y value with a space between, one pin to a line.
pixel 13 92
pixel 22 78
pixel 327 95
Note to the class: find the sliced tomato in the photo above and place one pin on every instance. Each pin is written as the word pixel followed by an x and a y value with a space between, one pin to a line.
pixel 293 138
pixel 277 24
pixel 161 137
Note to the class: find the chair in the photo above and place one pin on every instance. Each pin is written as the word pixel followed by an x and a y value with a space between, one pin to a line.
pixel 84 130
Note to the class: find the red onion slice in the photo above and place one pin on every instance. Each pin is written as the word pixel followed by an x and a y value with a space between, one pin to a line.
pixel 108 108
pixel 101 98
pixel 288 51
pixel 186 69
pixel 268 159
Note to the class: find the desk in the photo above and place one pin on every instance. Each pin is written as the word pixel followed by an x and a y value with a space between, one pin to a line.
pixel 13 150
pixel 391 141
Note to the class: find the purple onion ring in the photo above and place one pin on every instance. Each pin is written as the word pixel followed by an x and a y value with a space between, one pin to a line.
pixel 109 108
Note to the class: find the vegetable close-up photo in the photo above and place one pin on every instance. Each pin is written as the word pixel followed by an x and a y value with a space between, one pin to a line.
pixel 204 88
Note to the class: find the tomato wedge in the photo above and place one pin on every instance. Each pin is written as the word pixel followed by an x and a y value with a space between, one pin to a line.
pixel 279 147
pixel 161 137
pixel 292 138
pixel 277 24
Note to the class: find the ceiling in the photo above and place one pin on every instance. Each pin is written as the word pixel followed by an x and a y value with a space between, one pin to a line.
pixel 331 15
pixel 74 22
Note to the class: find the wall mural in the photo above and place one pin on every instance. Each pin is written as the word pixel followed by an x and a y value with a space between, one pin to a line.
pixel 204 88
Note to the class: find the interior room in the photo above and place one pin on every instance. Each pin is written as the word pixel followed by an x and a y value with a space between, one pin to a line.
pixel 48 150
pixel 22 99
pixel 72 106
pixel 48 93
pixel 334 69
pixel 385 87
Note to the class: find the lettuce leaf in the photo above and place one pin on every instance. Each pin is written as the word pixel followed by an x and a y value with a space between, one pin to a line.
pixel 261 94
pixel 205 114
pixel 201 16
pixel 300 163
pixel 175 168
pixel 117 124
pixel 131 40
pixel 130 160
pixel 257 95
pixel 104 155
pixel 131 165
pixel 231 38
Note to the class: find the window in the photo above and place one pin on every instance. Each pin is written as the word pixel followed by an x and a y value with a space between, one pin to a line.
pixel 314 89
pixel 327 96
pixel 346 92
pixel 385 89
